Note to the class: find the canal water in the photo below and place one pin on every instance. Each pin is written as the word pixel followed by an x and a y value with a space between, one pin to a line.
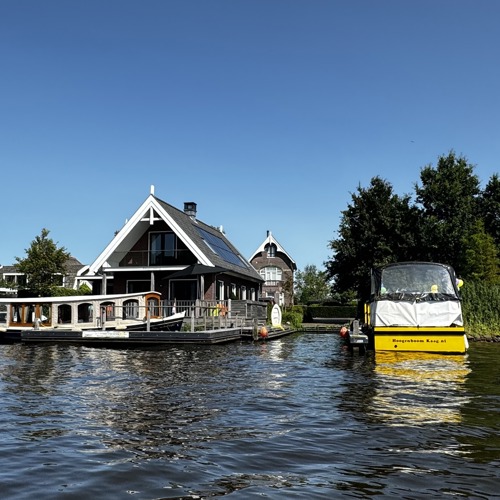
pixel 297 417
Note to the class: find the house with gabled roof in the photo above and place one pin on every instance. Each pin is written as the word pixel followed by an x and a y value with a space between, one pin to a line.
pixel 171 251
pixel 277 269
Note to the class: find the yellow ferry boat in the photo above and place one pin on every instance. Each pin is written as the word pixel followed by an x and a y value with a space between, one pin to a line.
pixel 416 306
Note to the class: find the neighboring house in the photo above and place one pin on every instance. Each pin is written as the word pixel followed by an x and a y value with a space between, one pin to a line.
pixel 12 276
pixel 277 268
pixel 169 250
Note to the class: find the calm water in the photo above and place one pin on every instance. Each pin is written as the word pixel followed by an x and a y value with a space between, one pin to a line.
pixel 293 418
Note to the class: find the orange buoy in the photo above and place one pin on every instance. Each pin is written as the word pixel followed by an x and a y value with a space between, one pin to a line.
pixel 343 332
pixel 263 332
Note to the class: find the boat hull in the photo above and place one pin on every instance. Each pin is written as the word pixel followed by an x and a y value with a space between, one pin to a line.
pixel 170 324
pixel 446 340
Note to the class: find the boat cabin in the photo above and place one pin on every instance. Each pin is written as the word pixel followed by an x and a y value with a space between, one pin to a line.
pixel 83 312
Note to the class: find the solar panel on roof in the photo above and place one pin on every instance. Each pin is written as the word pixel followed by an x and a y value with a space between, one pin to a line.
pixel 220 247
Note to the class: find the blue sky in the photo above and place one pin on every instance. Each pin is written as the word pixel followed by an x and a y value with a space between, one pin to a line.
pixel 266 113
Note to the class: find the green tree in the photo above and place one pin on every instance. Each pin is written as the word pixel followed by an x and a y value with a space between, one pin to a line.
pixel 311 285
pixel 43 265
pixel 490 208
pixel 377 228
pixel 448 195
pixel 481 257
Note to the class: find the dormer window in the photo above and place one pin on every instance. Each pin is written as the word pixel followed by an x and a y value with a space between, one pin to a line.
pixel 271 250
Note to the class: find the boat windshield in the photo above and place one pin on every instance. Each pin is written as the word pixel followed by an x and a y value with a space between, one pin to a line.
pixel 409 281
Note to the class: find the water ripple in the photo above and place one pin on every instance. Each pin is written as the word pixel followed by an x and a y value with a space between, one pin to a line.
pixel 297 417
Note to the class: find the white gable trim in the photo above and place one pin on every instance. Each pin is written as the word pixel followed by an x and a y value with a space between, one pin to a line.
pixel 271 239
pixel 146 212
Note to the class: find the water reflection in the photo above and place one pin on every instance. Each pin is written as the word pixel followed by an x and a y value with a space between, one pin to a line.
pixel 419 388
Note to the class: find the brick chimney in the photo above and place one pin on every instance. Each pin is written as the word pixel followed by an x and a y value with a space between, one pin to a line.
pixel 190 209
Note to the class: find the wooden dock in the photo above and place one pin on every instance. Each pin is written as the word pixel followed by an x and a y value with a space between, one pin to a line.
pixel 117 338
pixel 127 339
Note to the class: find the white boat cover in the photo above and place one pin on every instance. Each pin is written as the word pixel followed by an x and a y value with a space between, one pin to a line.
pixel 405 313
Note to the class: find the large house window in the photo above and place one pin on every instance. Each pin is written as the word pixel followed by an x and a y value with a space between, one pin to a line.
pixel 271 274
pixel 162 247
pixel 15 279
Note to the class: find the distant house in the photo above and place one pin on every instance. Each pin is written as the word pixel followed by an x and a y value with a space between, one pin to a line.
pixel 277 269
pixel 13 277
pixel 171 251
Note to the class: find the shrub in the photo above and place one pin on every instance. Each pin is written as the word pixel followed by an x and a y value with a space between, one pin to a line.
pixel 293 318
pixel 480 308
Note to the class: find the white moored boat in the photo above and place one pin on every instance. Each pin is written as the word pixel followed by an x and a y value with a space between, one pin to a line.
pixel 130 312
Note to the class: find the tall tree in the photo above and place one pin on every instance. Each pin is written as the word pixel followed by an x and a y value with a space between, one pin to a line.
pixel 311 285
pixel 448 195
pixel 377 228
pixel 482 262
pixel 43 265
pixel 490 208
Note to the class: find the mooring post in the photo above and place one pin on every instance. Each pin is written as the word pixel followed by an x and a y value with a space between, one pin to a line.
pixel 255 330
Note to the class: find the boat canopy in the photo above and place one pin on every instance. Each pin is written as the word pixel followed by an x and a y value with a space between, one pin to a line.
pixel 415 294
pixel 414 282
